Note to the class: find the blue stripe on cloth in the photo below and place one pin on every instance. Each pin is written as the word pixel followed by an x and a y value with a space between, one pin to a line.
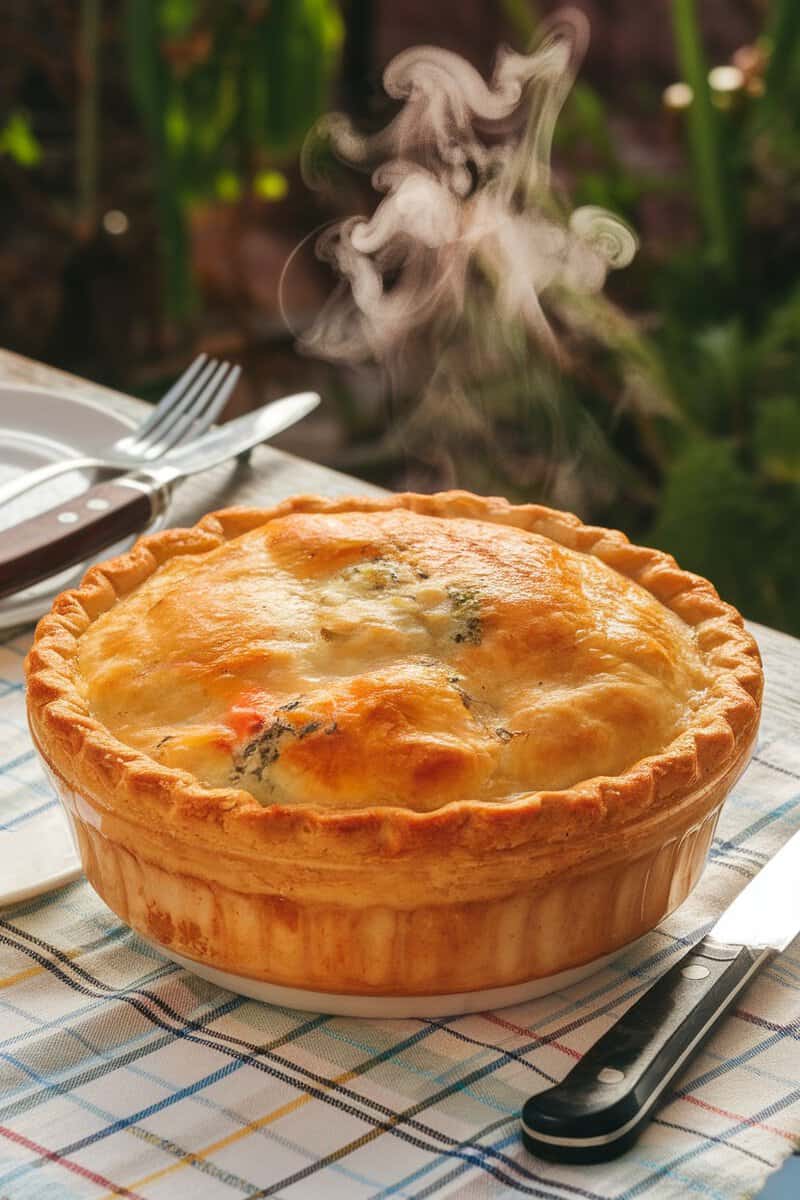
pixel 12 764
pixel 769 818
pixel 49 1085
pixel 712 1138
pixel 118 1124
pixel 662 1170
pixel 730 1064
pixel 770 766
pixel 21 818
pixel 209 1103
pixel 557 1190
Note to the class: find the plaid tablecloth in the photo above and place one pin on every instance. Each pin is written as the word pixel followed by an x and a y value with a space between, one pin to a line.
pixel 123 1075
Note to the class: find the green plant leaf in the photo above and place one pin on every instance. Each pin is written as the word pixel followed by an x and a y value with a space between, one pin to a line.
pixel 290 60
pixel 177 124
pixel 18 141
pixel 735 529
pixel 780 334
pixel 226 92
pixel 783 69
pixel 177 16
pixel 777 437
pixel 228 187
pixel 710 518
pixel 153 93
pixel 522 17
pixel 270 185
pixel 705 137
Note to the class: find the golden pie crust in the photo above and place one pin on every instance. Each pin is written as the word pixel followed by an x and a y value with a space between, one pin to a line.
pixel 392 746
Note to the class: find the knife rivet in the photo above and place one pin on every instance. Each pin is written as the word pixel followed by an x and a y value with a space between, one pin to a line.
pixel 68 518
pixel 610 1075
pixel 695 971
pixel 98 504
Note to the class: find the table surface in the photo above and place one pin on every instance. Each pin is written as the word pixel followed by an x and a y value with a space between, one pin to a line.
pixel 271 475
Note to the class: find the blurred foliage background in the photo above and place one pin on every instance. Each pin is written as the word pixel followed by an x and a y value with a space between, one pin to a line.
pixel 150 198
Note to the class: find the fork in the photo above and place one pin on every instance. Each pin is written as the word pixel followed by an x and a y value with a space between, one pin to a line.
pixel 186 410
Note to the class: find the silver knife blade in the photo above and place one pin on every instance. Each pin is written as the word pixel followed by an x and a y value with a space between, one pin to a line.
pixel 233 438
pixel 78 529
pixel 766 913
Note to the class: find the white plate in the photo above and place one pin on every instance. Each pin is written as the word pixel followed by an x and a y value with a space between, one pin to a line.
pixel 40 426
pixel 38 858
pixel 453 1005
pixel 37 427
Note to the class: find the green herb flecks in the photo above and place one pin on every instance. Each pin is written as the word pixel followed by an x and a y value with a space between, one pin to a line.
pixel 260 752
pixel 465 609
pixel 374 575
pixel 257 756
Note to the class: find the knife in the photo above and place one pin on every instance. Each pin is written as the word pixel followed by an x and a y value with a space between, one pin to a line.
pixel 602 1105
pixel 48 543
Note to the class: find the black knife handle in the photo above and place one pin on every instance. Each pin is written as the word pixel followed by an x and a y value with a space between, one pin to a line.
pixel 60 537
pixel 600 1108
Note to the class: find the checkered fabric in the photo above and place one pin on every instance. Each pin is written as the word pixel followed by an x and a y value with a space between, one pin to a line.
pixel 123 1075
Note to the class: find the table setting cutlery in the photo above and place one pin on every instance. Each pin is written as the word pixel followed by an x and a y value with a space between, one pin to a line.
pixel 603 1104
pixel 50 542
pixel 54 441
pixel 190 406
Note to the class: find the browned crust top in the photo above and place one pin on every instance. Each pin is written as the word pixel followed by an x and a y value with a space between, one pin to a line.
pixel 118 779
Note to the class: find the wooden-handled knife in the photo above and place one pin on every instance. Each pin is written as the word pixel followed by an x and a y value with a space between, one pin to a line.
pixel 81 527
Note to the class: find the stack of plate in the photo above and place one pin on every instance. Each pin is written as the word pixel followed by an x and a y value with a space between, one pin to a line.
pixel 38 427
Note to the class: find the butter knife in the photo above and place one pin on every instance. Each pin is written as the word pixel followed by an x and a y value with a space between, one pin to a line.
pixel 603 1104
pixel 97 518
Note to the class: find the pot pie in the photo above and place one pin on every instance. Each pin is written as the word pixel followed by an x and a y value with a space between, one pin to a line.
pixel 393 746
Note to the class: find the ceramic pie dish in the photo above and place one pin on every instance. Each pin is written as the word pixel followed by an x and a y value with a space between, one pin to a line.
pixel 400 746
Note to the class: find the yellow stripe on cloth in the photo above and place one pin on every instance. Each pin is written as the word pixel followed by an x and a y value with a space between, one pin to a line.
pixel 29 972
pixel 196 1156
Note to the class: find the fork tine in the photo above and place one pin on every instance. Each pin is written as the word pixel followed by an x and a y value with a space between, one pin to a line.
pixel 186 401
pixel 169 398
pixel 209 401
pixel 184 422
pixel 217 404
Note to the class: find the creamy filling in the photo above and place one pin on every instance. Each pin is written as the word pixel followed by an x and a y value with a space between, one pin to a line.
pixel 399 665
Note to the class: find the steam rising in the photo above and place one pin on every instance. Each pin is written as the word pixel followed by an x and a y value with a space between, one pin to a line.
pixel 468 206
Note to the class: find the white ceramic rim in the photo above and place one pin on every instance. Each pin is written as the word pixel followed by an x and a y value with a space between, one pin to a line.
pixel 14 616
pixel 393 1007
pixel 75 394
